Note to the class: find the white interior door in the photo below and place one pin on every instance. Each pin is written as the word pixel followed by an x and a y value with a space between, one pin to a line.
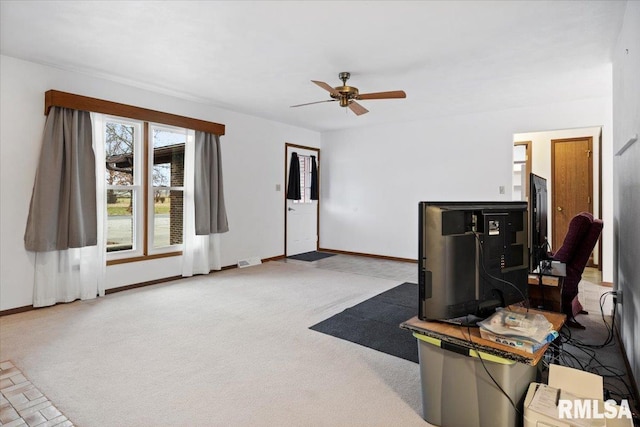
pixel 302 215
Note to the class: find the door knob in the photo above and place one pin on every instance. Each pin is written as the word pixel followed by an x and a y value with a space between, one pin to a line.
pixel 559 209
pixel 290 209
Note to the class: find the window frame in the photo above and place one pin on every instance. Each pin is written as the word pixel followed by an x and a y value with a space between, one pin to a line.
pixel 150 211
pixel 143 193
pixel 137 188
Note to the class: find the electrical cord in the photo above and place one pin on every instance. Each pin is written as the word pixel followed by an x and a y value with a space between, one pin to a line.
pixel 567 358
pixel 475 348
pixel 484 268
pixel 610 329
pixel 616 384
pixel 473 345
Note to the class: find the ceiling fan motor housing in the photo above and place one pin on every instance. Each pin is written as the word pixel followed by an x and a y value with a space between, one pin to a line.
pixel 347 93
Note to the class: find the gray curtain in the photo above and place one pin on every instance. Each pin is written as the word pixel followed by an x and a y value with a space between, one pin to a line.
pixel 210 211
pixel 62 213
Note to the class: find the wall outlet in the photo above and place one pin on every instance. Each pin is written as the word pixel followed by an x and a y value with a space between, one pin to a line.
pixel 617 297
pixel 501 189
pixel 277 187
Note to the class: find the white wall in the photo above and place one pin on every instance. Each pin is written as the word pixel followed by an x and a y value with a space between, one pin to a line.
pixel 626 112
pixel 541 165
pixel 253 163
pixel 373 178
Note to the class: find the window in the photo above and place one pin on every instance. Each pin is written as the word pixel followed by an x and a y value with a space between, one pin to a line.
pixel 167 185
pixel 139 224
pixel 123 145
pixel 144 185
pixel 305 179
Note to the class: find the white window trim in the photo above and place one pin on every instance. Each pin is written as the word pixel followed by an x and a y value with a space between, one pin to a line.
pixel 138 205
pixel 189 139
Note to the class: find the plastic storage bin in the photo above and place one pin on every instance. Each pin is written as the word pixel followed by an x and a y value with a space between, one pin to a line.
pixel 457 392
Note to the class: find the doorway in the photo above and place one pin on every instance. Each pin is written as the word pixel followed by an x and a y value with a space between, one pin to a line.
pixel 540 156
pixel 302 215
pixel 572 182
pixel 521 170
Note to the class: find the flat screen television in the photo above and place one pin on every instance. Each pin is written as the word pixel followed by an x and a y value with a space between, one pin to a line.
pixel 473 258
pixel 538 215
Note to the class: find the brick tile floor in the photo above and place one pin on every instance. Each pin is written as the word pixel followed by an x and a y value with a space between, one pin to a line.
pixel 22 404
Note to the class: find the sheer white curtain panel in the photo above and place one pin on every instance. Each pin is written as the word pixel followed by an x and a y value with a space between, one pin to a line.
pixel 69 273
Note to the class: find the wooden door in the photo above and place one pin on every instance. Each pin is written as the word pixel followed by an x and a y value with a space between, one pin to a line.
pixel 571 183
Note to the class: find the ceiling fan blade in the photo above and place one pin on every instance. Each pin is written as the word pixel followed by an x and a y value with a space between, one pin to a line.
pixel 326 87
pixel 357 108
pixel 383 95
pixel 316 102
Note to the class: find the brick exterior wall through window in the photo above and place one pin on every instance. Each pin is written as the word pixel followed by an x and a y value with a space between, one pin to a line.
pixel 176 198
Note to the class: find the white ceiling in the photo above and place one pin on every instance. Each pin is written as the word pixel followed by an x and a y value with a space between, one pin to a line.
pixel 258 57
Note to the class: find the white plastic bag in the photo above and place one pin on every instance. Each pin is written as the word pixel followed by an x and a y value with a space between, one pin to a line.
pixel 526 326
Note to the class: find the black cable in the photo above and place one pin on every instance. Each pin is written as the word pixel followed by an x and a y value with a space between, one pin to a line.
pixel 611 374
pixel 610 329
pixel 484 268
pixel 475 348
pixel 565 355
pixel 590 367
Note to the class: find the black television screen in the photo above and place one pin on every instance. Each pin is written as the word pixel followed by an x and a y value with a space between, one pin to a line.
pixel 473 258
pixel 538 215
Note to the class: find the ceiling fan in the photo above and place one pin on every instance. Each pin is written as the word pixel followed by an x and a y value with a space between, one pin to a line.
pixel 347 95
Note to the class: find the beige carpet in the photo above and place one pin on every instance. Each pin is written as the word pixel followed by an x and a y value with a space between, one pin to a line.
pixel 228 349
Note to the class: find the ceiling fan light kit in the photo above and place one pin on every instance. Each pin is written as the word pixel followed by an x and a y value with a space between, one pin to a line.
pixel 347 95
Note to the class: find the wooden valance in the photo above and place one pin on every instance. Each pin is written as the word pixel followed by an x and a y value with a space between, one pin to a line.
pixel 55 98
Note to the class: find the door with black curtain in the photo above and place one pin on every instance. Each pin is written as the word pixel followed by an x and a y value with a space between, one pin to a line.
pixel 301 207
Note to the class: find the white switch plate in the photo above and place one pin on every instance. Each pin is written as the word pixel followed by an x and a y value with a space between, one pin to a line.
pixel 277 187
pixel 502 189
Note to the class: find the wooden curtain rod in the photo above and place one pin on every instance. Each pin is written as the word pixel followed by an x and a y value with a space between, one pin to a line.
pixel 55 98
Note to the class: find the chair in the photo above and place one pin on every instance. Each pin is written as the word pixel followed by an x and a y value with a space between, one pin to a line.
pixel 584 231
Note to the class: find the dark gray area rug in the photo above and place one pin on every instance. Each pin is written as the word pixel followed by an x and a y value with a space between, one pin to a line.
pixel 310 256
pixel 375 323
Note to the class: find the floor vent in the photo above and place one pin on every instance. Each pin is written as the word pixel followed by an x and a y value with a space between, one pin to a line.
pixel 249 262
